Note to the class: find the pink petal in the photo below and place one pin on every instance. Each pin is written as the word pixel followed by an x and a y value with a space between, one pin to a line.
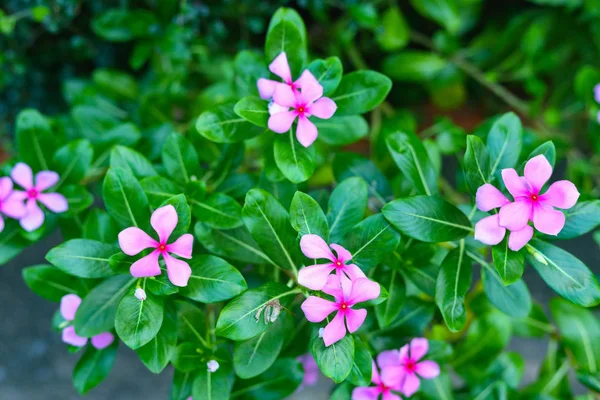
pixel 488 231
pixel 355 318
pixel 70 337
pixel 537 172
pixel 284 96
pixel 335 330
pixel 19 195
pixel 275 108
pixel 597 93
pixel 392 376
pixel 6 187
pixel 418 348
pixel 266 88
pixel 164 220
pixel 1 223
pixel 13 208
pixel 55 202
pixel 133 240
pixel 514 216
pixel 363 289
pixel 313 246
pixel 353 272
pixel 489 197
pixel 391 396
pixel 280 67
pixel 281 122
pixel 343 255
pixel 561 194
pixel 547 220
pixel 518 239
pixel 428 369
pixel 311 89
pixel 411 384
pixel 21 174
pixel 333 287
pixel 365 393
pixel 375 378
pixel 179 271
pixel 388 358
pixel 323 108
pixel 45 180
pixel 103 340
pixel 317 309
pixel 403 354
pixel 183 246
pixel 69 305
pixel 315 276
pixel 306 132
pixel 146 266
pixel 516 185
pixel 34 218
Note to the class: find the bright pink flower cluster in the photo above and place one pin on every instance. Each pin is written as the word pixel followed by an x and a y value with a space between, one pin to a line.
pixel 348 286
pixel 304 96
pixel 68 307
pixel 400 372
pixel 528 205
pixel 23 205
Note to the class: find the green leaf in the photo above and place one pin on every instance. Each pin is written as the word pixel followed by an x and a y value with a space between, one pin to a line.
pixel 362 366
pixel 444 12
pixel 564 273
pixel 99 226
pixel 394 32
pixel 218 211
pixel 509 264
pixel 121 25
pixel 591 381
pixel 221 124
pixel 453 282
pixel 387 311
pixel 347 205
pixel 191 323
pixel 78 198
pixel 36 142
pixel 296 162
pixel 11 242
pixel 138 322
pixel 278 382
pixel 243 317
pixel 83 258
pixel 335 361
pixel 439 387
pixel 93 367
pixel 182 385
pixel 126 158
pixel 235 244
pixel 213 280
pixel 347 165
pixel 504 143
pixel 125 199
pixel 513 300
pixel 581 219
pixel 214 385
pixel 157 353
pixel 159 189
pixel 429 219
pixel 184 216
pixel 328 73
pixel 414 66
pixel 180 158
pixel 547 149
pixel 269 224
pixel 411 157
pixel 342 130
pixel 307 217
pixel 187 357
pixel 50 282
pixel 96 314
pixel 360 92
pixel 72 161
pixel 476 164
pixel 287 33
pixel 253 109
pixel 536 324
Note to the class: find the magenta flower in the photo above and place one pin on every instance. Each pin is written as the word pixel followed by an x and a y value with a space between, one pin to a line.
pixel 402 369
pixel 281 68
pixel 346 294
pixel 311 369
pixel 55 202
pixel 133 240
pixel 597 93
pixel 68 307
pixel 315 276
pixel 305 103
pixel 10 205
pixel 373 392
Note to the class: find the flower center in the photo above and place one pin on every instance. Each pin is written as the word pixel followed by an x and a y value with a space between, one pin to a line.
pixel 382 388
pixel 534 197
pixel 32 193
pixel 291 84
pixel 343 306
pixel 162 247
pixel 410 365
pixel 338 263
pixel 301 109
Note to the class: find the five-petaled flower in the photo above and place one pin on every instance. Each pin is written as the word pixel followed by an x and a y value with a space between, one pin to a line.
pixel 402 369
pixel 133 240
pixel 68 307
pixel 10 206
pixel 315 276
pixel 281 68
pixel 55 202
pixel 373 392
pixel 346 294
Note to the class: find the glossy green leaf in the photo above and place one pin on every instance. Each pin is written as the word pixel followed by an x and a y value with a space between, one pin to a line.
pixel 221 124
pixel 50 282
pixel 513 300
pixel 347 165
pixel 159 189
pixel 287 33
pixel 213 280
pixel 72 161
pixel 218 211
pixel 581 219
pixel 253 109
pixel 535 324
pixel 99 226
pixel 296 162
pixel 387 311
pixel 394 32
pixel 214 385
pixel 307 217
pixel 335 361
pixel 362 365
pixel 342 130
pixel 78 198
pixel 83 258
pixel 360 92
pixel 137 322
pixel 93 367
pixel 328 73
pixel 121 25
pixel 414 66
pixel 182 385
pixel 547 149
pixel 125 199
pixel 347 205
pixel 411 157
pixel 188 357
pixel 36 142
pixel 157 353
pixel 476 164
pixel 278 382
pixel 126 158
pixel 235 244
pixel 504 143
pixel 180 158
pixel 509 264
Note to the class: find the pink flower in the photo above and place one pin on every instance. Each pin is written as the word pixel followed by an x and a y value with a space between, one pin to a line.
pixel 311 369
pixel 597 93
pixel 9 204
pixel 281 68
pixel 133 240
pixel 346 294
pixel 315 276
pixel 373 392
pixel 55 202
pixel 68 307
pixel 305 103
pixel 403 368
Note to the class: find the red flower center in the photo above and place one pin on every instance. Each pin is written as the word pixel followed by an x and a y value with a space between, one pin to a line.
pixel 291 84
pixel 301 109
pixel 338 263
pixel 343 306
pixel 534 197
pixel 162 247
pixel 32 193
pixel 410 365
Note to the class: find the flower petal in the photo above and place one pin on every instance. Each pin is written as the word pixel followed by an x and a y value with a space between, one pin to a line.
pixel 518 239
pixel 561 194
pixel 146 266
pixel 284 96
pixel 323 108
pixel 6 187
pixel 311 89
pixel 388 358
pixel 335 330
pixel 13 208
pixel 55 202
pixel 343 255
pixel 275 108
pixel 280 67
pixel 1 223
pixel 597 93
pixel 306 132
pixel 353 271
pixel 313 246
pixel 179 271
pixel 133 240
pixel 355 318
pixel 34 217
pixel 375 378
pixel 266 88
pixel 516 185
pixel 68 306
pixel 45 180
pixel 333 287
pixel 427 369
pixel 418 348
pixel 365 393
pixel 281 122
pixel 363 289
pixel 103 340
pixel 391 396
pixel 183 246
pixel 411 384
pixel 315 277
pixel 548 220
pixel 514 216
pixel 488 231
pixel 164 220
pixel 489 197
pixel 21 174
pixel 537 172
pixel 317 309
pixel 70 337
pixel 392 376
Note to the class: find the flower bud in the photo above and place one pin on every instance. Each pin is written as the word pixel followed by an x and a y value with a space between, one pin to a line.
pixel 321 331
pixel 212 365
pixel 140 294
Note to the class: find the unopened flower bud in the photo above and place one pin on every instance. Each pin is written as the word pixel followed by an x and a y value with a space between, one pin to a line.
pixel 140 294
pixel 321 332
pixel 212 365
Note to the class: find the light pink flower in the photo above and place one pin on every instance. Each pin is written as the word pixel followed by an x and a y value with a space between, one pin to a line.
pixel 133 240
pixel 311 369
pixel 315 276
pixel 55 202
pixel 402 369
pixel 10 206
pixel 68 307
pixel 346 294
pixel 305 103
pixel 281 68
pixel 597 93
pixel 373 392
